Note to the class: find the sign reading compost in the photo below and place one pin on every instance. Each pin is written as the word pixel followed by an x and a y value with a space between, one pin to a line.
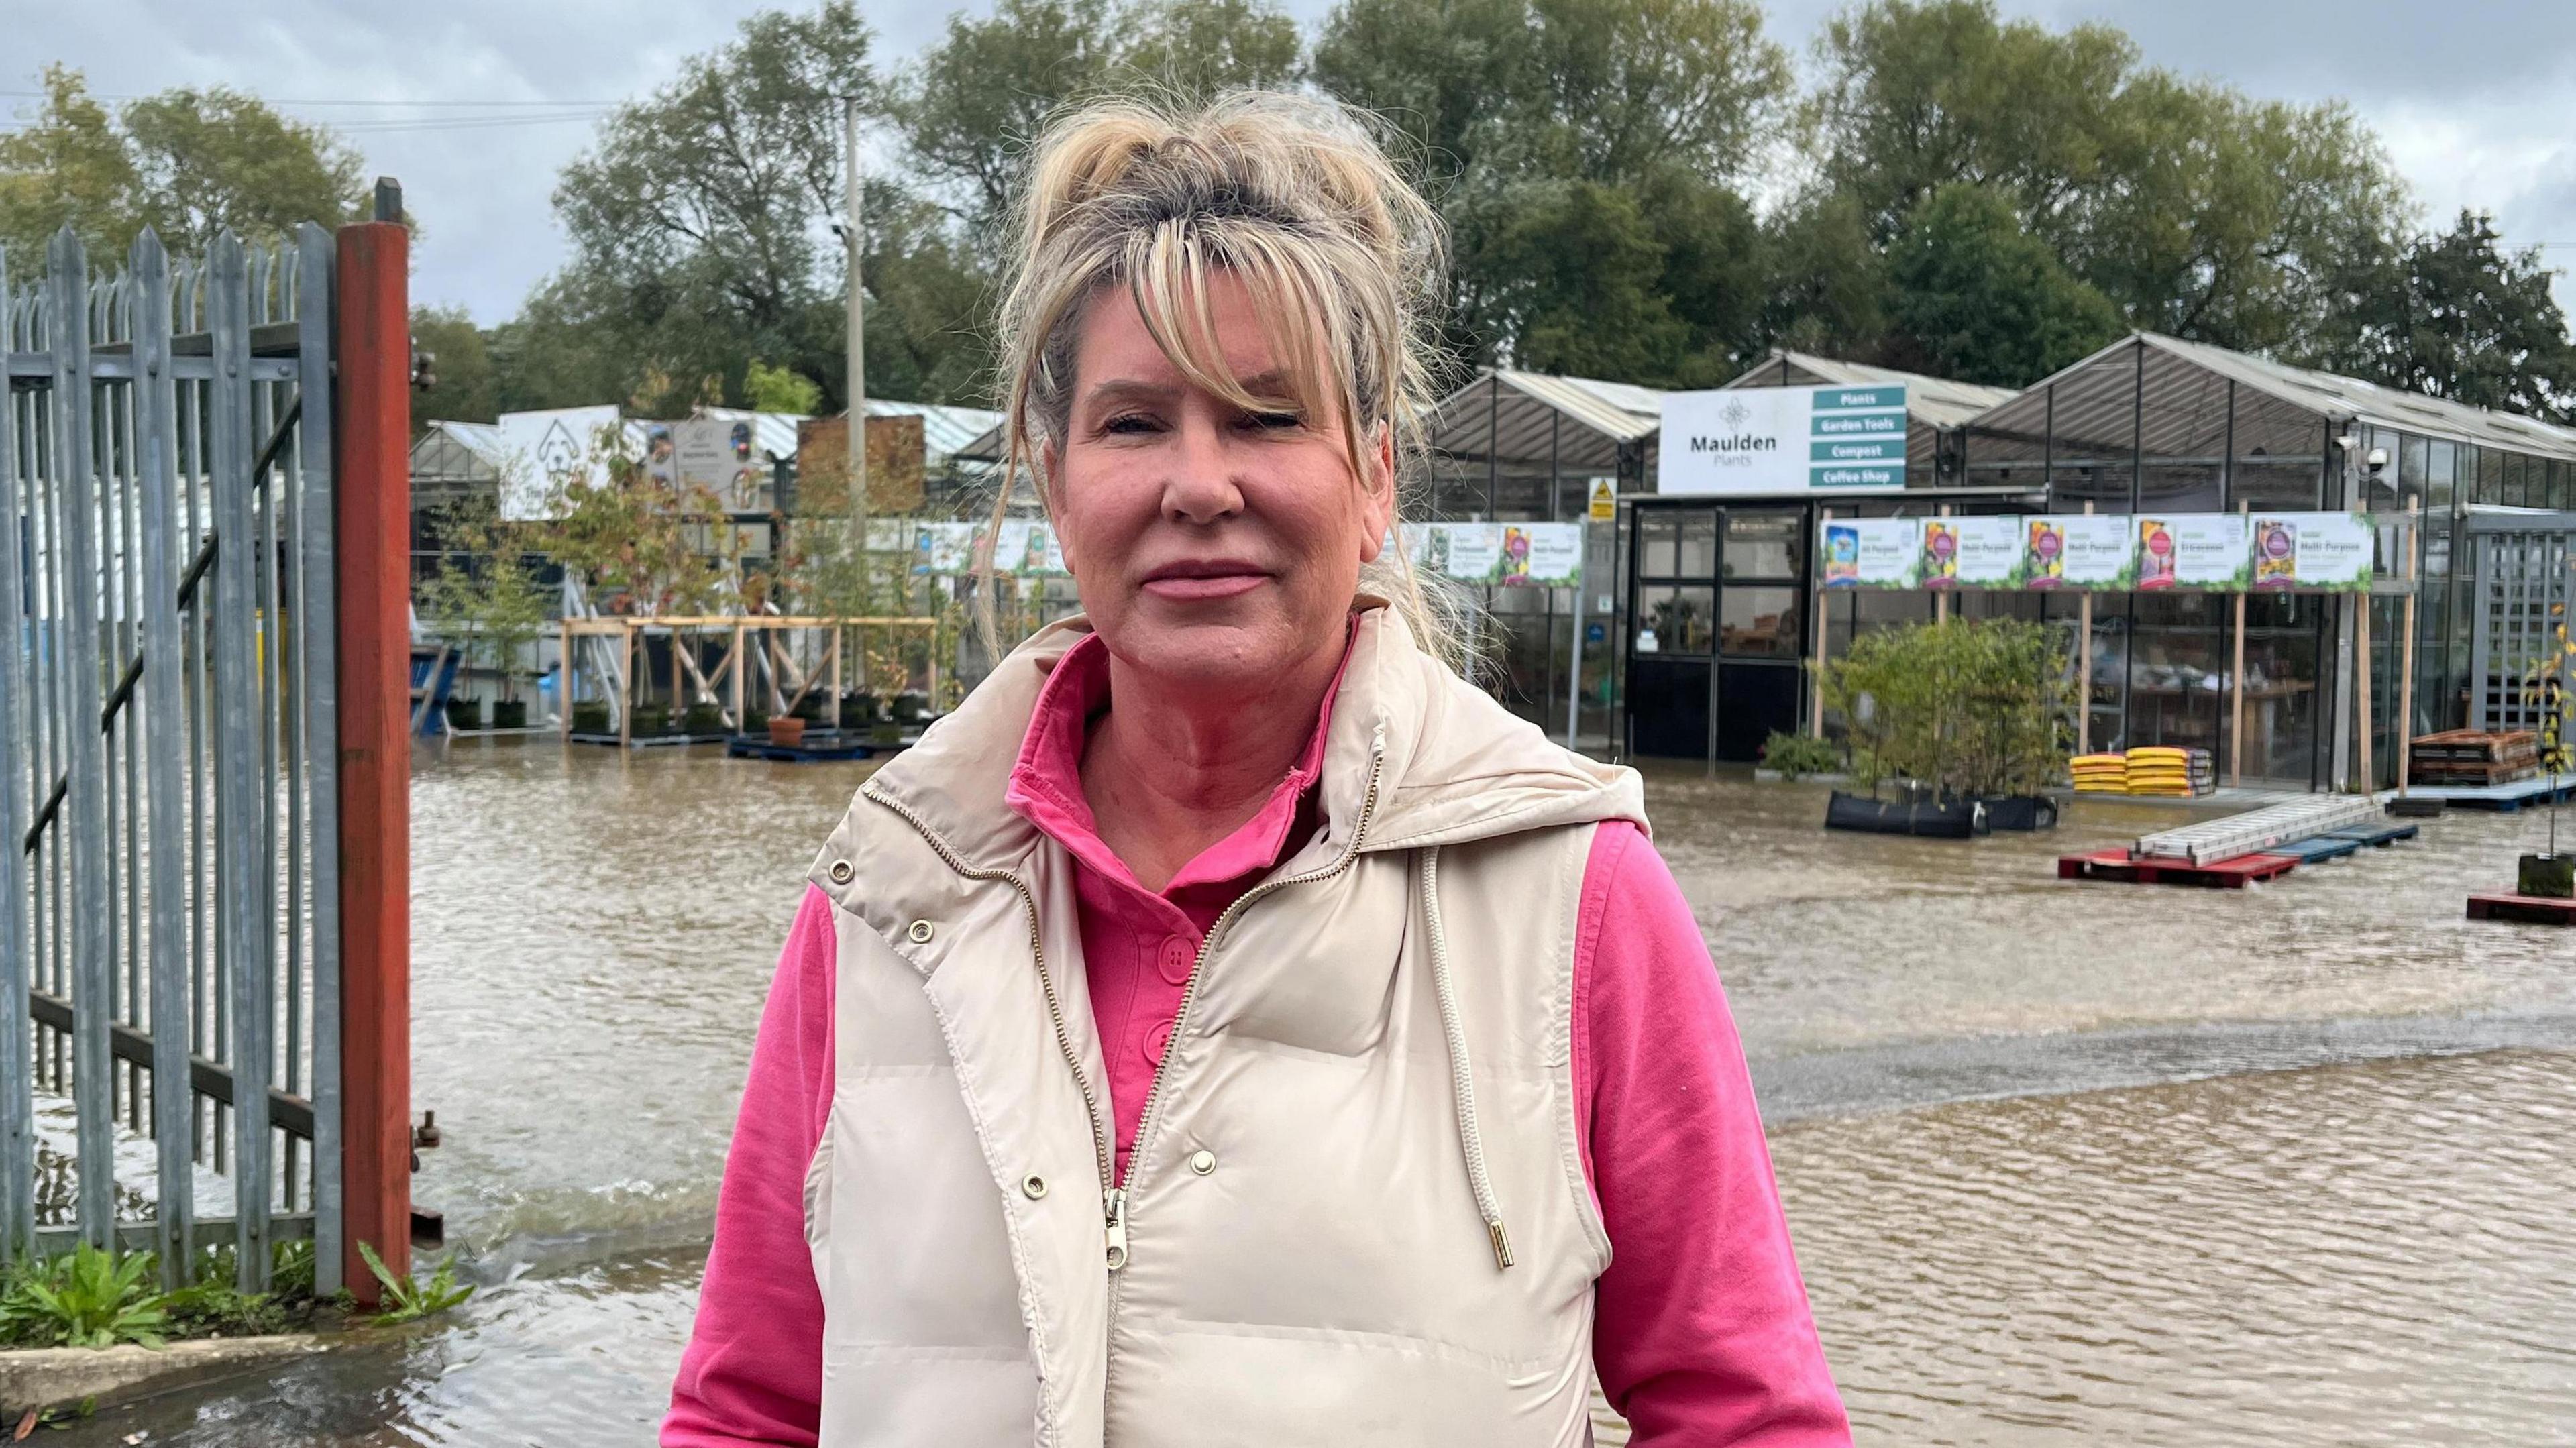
pixel 2312 552
pixel 1970 552
pixel 1754 440
pixel 1870 552
pixel 2078 550
pixel 2193 550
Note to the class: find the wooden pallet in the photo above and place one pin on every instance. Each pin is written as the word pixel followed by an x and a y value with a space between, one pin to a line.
pixel 2525 909
pixel 2473 775
pixel 2121 865
pixel 2471 746
pixel 2318 849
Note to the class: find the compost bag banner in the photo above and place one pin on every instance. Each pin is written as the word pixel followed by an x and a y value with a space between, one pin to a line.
pixel 2195 550
pixel 1513 555
pixel 1869 552
pixel 1970 552
pixel 2312 552
pixel 2079 550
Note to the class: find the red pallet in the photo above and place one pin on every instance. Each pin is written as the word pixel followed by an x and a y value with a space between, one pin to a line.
pixel 2120 865
pixel 2527 909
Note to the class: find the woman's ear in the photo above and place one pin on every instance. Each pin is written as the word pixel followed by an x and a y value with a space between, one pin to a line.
pixel 1051 490
pixel 1377 496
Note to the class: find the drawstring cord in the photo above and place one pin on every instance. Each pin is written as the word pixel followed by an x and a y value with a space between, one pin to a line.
pixel 1462 1081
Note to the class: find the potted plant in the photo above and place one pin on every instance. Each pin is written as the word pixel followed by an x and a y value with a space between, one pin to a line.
pixel 484 599
pixel 592 718
pixel 464 715
pixel 787 731
pixel 703 720
pixel 1968 716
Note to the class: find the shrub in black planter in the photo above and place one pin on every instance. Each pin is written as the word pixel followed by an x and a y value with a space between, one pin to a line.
pixel 703 719
pixel 591 719
pixel 649 722
pixel 810 708
pixel 464 713
pixel 510 714
pixel 2546 877
pixel 911 707
pixel 755 721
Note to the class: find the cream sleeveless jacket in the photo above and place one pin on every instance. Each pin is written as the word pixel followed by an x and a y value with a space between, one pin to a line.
pixel 1365 1111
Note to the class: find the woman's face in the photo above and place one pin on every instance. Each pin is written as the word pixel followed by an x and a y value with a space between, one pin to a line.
pixel 1214 547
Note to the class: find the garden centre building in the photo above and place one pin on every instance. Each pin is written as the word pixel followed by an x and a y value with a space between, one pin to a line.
pixel 1719 605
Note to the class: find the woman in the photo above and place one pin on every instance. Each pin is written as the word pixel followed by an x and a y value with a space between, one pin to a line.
pixel 1229 1026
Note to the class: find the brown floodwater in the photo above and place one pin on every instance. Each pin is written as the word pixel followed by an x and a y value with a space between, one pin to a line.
pixel 2065 1163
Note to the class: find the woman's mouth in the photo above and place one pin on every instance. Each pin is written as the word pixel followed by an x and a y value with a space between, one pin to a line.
pixel 1203 579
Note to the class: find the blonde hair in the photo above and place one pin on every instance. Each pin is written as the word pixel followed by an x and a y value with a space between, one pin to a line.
pixel 1290 194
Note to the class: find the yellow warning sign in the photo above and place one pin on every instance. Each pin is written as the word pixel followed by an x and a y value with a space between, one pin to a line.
pixel 1605 500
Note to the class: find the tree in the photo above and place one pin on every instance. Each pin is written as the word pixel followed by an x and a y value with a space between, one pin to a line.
pixel 2476 323
pixel 780 389
pixel 697 219
pixel 2197 211
pixel 466 388
pixel 967 131
pixel 186 163
pixel 1541 127
pixel 1974 296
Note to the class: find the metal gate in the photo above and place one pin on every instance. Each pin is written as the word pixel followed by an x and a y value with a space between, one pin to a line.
pixel 2522 597
pixel 167 755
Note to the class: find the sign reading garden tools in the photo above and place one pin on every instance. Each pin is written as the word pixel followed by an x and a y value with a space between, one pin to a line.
pixel 2101 552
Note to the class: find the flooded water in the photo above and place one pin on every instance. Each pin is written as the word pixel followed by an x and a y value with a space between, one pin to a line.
pixel 2065 1163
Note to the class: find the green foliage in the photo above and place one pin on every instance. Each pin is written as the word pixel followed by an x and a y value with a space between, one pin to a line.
pixel 85 1298
pixel 2476 323
pixel 1976 297
pixel 467 389
pixel 483 598
pixel 187 163
pixel 697 225
pixel 638 543
pixel 1799 755
pixel 780 389
pixel 1966 707
pixel 408 1300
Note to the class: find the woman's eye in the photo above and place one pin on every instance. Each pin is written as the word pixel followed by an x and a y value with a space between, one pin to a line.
pixel 1128 423
pixel 1268 420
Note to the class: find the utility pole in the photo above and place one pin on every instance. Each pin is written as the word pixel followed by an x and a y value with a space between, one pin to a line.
pixel 853 236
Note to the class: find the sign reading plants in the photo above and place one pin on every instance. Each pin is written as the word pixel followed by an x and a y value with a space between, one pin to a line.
pixel 1870 552
pixel 1970 552
pixel 2312 552
pixel 2193 550
pixel 2078 550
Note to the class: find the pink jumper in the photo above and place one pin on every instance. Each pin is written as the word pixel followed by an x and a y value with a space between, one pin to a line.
pixel 1702 1334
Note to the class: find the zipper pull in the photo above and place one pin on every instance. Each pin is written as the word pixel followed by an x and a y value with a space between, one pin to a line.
pixel 1117 1229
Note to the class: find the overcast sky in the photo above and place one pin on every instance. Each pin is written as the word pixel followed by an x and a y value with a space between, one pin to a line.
pixel 2470 96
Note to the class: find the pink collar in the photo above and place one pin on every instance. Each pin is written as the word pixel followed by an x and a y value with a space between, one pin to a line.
pixel 1046 783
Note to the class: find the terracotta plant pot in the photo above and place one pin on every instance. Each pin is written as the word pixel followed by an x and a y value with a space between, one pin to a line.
pixel 787 732
pixel 2546 877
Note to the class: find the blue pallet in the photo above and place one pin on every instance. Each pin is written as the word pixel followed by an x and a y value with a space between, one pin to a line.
pixel 2322 847
pixel 2380 835
pixel 826 748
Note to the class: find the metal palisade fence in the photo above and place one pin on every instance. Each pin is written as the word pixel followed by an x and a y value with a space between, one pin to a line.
pixel 168 801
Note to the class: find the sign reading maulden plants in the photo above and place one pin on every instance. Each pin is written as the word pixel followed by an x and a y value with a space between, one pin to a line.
pixel 1870 552
pixel 2312 552
pixel 2078 550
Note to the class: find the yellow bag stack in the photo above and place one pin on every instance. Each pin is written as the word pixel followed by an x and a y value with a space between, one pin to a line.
pixel 2100 773
pixel 2170 773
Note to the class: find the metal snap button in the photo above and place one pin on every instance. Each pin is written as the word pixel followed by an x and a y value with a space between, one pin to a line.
pixel 1202 1161
pixel 1035 1186
pixel 920 932
pixel 841 872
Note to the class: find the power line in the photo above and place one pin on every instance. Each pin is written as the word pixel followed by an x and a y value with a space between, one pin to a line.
pixel 283 101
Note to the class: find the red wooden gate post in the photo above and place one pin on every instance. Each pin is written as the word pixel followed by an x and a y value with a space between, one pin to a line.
pixel 373 433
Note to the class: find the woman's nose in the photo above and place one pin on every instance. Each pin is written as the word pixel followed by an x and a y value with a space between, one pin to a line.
pixel 1199 488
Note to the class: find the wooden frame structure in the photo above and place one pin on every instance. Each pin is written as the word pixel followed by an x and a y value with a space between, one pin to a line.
pixel 726 683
